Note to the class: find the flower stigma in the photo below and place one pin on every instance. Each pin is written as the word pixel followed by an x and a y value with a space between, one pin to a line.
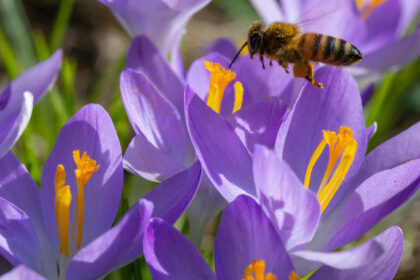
pixel 255 271
pixel 343 145
pixel 220 78
pixel 85 168
pixel 367 9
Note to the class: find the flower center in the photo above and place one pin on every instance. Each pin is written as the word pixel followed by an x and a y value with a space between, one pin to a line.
pixel 255 271
pixel 85 168
pixel 342 144
pixel 367 8
pixel 219 79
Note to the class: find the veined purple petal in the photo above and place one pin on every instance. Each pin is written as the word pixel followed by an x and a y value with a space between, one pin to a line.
pixel 259 83
pixel 355 258
pixel 170 199
pixel 246 234
pixel 38 79
pixel 12 124
pixel 170 255
pixel 397 54
pixel 21 272
pixel 293 210
pixel 18 239
pixel 384 267
pixel 395 151
pixel 373 200
pixel 222 46
pixel 204 208
pixel 160 20
pixel 103 254
pixel 90 130
pixel 222 154
pixel 337 105
pixel 144 159
pixel 382 32
pixel 144 57
pixel 153 116
pixel 259 123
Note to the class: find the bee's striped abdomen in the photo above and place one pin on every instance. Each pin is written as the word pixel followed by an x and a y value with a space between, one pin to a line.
pixel 327 49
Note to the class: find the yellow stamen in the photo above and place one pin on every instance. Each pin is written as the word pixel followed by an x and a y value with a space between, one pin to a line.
pixel 257 269
pixel 85 168
pixel 293 276
pixel 219 79
pixel 239 95
pixel 343 145
pixel 62 208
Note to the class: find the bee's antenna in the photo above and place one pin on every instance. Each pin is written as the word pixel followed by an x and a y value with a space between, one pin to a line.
pixel 236 56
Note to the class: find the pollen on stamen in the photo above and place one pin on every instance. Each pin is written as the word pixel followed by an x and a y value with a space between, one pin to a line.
pixel 220 78
pixel 342 145
pixel 255 271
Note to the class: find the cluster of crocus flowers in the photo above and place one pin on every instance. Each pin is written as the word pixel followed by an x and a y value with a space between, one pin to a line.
pixel 338 185
pixel 63 231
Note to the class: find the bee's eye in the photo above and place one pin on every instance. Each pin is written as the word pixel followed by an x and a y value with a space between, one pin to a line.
pixel 255 41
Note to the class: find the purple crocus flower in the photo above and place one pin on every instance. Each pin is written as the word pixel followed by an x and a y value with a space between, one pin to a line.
pixel 21 272
pixel 162 21
pixel 361 22
pixel 20 95
pixel 247 246
pixel 354 191
pixel 153 97
pixel 67 225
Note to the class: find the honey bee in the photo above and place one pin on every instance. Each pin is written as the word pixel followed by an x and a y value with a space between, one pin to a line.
pixel 284 43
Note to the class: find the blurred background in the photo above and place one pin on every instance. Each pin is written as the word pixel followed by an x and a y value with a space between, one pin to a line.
pixel 94 47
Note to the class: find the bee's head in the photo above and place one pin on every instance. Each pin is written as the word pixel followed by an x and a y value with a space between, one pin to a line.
pixel 255 37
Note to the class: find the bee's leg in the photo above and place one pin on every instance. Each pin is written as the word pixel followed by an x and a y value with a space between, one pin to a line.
pixel 304 69
pixel 262 61
pixel 271 62
pixel 282 62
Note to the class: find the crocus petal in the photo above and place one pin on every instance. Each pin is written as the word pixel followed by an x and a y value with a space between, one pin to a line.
pixel 18 187
pixel 152 115
pixel 227 163
pixel 21 272
pixel 395 151
pixel 293 209
pixel 374 199
pixel 355 258
pixel 170 255
pixel 13 125
pixel 337 105
pixel 38 79
pixel 408 13
pixel 397 54
pixel 204 208
pixel 259 123
pixel 222 46
pixel 144 159
pixel 384 267
pixel 268 10
pixel 170 199
pixel 244 235
pixel 160 20
pixel 144 57
pixel 259 83
pixel 103 255
pixel 18 240
pixel 90 130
